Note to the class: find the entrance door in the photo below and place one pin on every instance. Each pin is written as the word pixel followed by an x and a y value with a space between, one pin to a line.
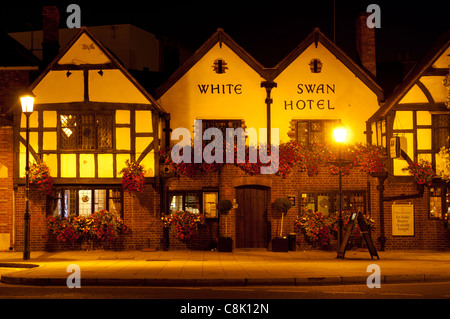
pixel 251 217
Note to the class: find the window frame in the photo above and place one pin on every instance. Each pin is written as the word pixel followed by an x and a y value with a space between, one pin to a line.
pixel 443 199
pixel 61 193
pixel 333 122
pixel 333 196
pixel 78 145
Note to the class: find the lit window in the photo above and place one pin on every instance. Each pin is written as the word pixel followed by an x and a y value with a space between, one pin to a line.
pixel 84 202
pixel 86 131
pixel 315 132
pixel 185 201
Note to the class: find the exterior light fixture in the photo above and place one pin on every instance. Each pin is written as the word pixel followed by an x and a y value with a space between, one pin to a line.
pixel 27 102
pixel 340 134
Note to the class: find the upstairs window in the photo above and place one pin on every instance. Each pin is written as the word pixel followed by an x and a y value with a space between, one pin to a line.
pixel 313 132
pixel 87 131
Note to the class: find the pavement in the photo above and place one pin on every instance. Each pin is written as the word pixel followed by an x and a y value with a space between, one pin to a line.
pixel 242 267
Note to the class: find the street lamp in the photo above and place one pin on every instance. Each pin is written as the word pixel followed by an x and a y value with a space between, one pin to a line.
pixel 27 102
pixel 340 135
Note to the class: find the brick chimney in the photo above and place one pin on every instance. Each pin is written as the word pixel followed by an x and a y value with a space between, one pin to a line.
pixel 50 33
pixel 365 43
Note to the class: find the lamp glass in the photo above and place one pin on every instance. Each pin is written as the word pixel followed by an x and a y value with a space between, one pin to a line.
pixel 27 103
pixel 340 134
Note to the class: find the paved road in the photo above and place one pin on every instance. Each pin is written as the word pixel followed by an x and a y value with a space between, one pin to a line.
pixel 437 290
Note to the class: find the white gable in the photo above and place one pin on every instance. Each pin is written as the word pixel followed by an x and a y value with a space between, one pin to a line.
pixel 84 51
pixel 335 93
pixel 111 85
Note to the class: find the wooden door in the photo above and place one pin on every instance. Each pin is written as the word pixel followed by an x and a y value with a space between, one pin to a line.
pixel 251 217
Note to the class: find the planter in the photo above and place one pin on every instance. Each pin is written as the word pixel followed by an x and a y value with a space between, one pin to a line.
pixel 280 245
pixel 292 242
pixel 225 244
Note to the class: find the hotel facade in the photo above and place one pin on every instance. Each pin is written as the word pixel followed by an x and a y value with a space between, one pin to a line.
pixel 91 116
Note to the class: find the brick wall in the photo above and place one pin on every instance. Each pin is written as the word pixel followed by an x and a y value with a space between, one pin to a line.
pixel 429 233
pixel 6 182
pixel 11 82
pixel 142 211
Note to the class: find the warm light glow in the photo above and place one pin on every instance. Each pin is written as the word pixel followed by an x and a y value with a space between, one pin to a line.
pixel 27 104
pixel 340 134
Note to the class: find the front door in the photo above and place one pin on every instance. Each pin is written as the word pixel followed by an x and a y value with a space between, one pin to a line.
pixel 251 217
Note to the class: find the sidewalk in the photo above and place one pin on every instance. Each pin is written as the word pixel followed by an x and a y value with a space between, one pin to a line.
pixel 243 267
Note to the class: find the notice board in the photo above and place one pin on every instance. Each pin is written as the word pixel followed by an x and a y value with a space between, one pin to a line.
pixel 402 220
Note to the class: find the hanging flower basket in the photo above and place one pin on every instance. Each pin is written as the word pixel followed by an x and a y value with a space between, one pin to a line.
pixel 133 177
pixel 184 224
pixel 422 172
pixel 40 176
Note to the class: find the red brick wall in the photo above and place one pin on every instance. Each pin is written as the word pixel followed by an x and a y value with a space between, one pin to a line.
pixel 11 82
pixel 428 233
pixel 142 211
pixel 231 177
pixel 142 215
pixel 6 183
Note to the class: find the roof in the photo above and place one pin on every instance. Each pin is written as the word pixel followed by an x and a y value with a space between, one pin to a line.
pixel 114 61
pixel 218 37
pixel 425 64
pixel 13 54
pixel 315 37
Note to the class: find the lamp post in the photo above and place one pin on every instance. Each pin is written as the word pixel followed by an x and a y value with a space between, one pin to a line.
pixel 27 102
pixel 340 135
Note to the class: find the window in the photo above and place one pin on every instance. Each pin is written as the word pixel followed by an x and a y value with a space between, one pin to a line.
pixel 441 124
pixel 187 201
pixel 315 66
pixel 201 201
pixel 88 131
pixel 222 125
pixel 439 201
pixel 220 66
pixel 328 201
pixel 315 132
pixel 83 202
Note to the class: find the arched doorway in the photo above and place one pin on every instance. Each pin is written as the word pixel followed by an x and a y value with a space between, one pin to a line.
pixel 251 216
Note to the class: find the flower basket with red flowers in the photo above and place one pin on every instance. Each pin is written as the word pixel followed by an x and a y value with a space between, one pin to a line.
pixel 422 171
pixel 100 227
pixel 316 228
pixel 40 176
pixel 133 177
pixel 184 224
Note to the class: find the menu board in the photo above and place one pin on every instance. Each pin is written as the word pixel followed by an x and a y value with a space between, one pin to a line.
pixel 402 220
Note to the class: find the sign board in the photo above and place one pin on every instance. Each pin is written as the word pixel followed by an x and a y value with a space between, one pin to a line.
pixel 402 220
pixel 357 217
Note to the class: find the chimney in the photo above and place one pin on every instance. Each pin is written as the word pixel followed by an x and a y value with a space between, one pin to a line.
pixel 50 34
pixel 365 43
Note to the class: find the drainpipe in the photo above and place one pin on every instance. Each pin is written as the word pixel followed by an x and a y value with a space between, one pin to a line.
pixel 268 85
pixel 380 188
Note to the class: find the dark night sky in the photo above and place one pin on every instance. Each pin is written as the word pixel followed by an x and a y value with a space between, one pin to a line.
pixel 268 30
